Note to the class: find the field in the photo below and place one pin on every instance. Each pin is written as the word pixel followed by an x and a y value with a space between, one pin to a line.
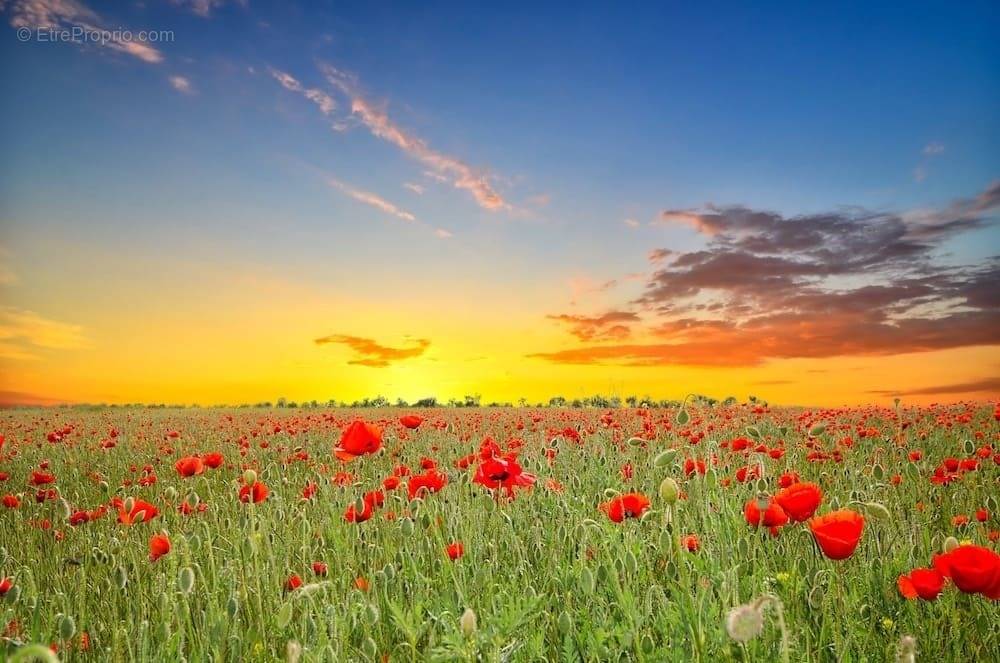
pixel 511 534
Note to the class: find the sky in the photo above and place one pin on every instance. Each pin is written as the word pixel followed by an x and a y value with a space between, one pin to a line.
pixel 212 201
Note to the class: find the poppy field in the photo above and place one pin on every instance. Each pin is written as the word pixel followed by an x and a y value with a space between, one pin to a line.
pixel 699 532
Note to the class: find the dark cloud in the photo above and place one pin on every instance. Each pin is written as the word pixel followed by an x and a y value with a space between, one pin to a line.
pixel 986 386
pixel 370 353
pixel 844 283
pixel 610 326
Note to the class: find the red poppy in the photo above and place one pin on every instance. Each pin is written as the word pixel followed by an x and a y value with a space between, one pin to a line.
pixel 690 542
pixel 361 583
pixel 319 568
pixel 11 501
pixel 630 505
pixel 256 492
pixel 358 439
pixel 213 460
pixel 455 550
pixel 293 583
pixel 41 478
pixel 6 584
pixel 800 500
pixel 925 583
pixel 140 512
pixel 973 569
pixel 432 481
pixel 838 533
pixel 772 516
pixel 505 473
pixel 411 421
pixel 159 545
pixel 190 466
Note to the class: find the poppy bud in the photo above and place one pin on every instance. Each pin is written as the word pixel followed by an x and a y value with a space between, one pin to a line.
pixel 249 477
pixel 185 580
pixel 817 430
pixel 682 417
pixel 121 577
pixel 744 622
pixel 170 493
pixel 949 544
pixel 232 607
pixel 907 650
pixel 753 432
pixel 565 622
pixel 293 651
pixel 664 458
pixel 129 504
pixel 587 583
pixel 467 622
pixel 369 648
pixel 372 613
pixel 105 486
pixel 669 490
pixel 878 511
pixel 646 644
pixel 284 615
pixel 67 628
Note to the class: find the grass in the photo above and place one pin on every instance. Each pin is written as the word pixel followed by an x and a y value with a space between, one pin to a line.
pixel 548 575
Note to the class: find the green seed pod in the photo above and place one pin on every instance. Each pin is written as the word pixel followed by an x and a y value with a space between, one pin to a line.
pixel 389 571
pixel 284 616
pixel 369 648
pixel 817 430
pixel 232 607
pixel 666 539
pixel 587 582
pixel 603 573
pixel 185 580
pixel 406 526
pixel 646 644
pixel 565 623
pixel 682 417
pixel 630 563
pixel 371 613
pixel 67 627
pixel 163 631
pixel 878 472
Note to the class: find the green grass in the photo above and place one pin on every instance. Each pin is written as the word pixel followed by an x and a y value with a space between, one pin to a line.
pixel 548 575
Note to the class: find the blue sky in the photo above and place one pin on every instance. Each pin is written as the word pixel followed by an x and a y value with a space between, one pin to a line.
pixel 579 116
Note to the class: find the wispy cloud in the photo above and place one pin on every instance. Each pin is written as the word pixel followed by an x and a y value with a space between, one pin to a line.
pixel 371 199
pixel 379 123
pixel 323 101
pixel 204 8
pixel 415 188
pixel 70 14
pixel 930 151
pixel 610 326
pixel 631 223
pixel 370 353
pixel 22 332
pixel 181 84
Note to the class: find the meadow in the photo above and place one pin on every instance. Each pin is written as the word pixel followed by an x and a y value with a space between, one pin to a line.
pixel 726 532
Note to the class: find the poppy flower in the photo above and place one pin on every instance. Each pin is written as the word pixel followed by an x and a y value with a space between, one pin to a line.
pixel 140 512
pixel 800 500
pixel 690 542
pixel 11 501
pixel 213 460
pixel 432 481
pixel 41 478
pixel 358 439
pixel 159 545
pixel 189 466
pixel 6 584
pixel 455 550
pixel 293 583
pixel 256 492
pixel 630 505
pixel 772 516
pixel 411 421
pixel 505 473
pixel 361 583
pixel 973 569
pixel 838 533
pixel 925 583
pixel 319 568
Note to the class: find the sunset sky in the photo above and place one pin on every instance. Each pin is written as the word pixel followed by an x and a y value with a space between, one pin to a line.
pixel 420 199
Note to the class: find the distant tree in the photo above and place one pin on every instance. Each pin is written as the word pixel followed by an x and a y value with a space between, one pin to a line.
pixel 557 401
pixel 430 401
pixel 281 402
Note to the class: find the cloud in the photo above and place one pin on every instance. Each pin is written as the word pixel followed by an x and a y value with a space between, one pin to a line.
pixel 610 326
pixel 767 286
pixel 442 165
pixel 372 354
pixel 930 151
pixel 70 14
pixel 22 331
pixel 631 223
pixel 442 233
pixel 371 199
pixel 415 188
pixel 204 8
pixel 181 84
pixel 986 386
pixel 323 101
